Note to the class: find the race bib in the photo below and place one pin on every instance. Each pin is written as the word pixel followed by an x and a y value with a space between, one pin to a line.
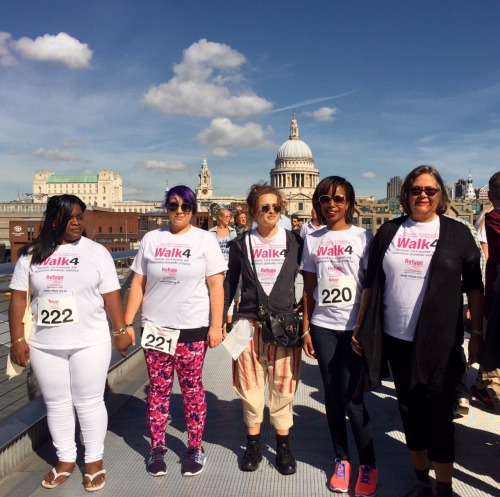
pixel 57 311
pixel 158 338
pixel 337 290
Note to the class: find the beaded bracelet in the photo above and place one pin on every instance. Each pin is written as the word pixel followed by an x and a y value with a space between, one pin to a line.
pixel 121 331
pixel 477 332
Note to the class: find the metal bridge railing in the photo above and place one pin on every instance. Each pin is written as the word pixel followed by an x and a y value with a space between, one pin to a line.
pixel 20 390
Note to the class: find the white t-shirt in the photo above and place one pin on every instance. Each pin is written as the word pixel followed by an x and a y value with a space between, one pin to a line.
pixel 481 229
pixel 70 282
pixel 176 268
pixel 339 259
pixel 406 267
pixel 269 255
pixel 308 228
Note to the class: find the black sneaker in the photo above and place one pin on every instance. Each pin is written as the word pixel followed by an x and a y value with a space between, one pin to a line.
pixel 252 457
pixel 156 465
pixel 420 490
pixel 285 462
pixel 193 462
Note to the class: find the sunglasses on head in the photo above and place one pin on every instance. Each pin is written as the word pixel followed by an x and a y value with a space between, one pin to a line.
pixel 266 208
pixel 326 199
pixel 174 206
pixel 417 190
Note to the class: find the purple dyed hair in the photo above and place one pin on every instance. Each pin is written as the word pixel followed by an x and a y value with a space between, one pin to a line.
pixel 183 192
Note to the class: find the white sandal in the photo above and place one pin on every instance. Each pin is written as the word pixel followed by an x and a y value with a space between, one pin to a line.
pixel 91 479
pixel 53 484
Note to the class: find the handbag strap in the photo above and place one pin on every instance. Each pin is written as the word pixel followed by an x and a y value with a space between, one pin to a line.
pixel 261 296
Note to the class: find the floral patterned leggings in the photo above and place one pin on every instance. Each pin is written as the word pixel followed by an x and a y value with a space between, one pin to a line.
pixel 188 363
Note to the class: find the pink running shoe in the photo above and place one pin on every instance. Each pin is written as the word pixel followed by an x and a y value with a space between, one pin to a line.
pixel 339 482
pixel 366 485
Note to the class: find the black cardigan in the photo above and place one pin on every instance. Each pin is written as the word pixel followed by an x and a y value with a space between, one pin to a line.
pixel 282 296
pixel 454 269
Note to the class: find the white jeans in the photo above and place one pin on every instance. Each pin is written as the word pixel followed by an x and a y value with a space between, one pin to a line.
pixel 74 380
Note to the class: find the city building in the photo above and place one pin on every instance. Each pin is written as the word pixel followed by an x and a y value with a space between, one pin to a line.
pixel 207 201
pixel 100 190
pixel 394 187
pixel 294 173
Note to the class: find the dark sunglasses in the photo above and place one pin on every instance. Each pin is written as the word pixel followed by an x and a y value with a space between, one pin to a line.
pixel 417 190
pixel 326 199
pixel 266 208
pixel 173 206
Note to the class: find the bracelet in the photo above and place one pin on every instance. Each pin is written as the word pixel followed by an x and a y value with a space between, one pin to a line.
pixel 218 327
pixel 22 339
pixel 356 327
pixel 477 332
pixel 121 331
pixel 305 333
pixel 131 325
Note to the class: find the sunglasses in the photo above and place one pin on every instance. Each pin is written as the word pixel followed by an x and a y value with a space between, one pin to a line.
pixel 326 199
pixel 266 208
pixel 417 190
pixel 174 206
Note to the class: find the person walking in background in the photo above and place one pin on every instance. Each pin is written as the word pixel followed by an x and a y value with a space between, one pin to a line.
pixel 491 351
pixel 240 222
pixel 276 253
pixel 333 265
pixel 73 285
pixel 179 273
pixel 413 262
pixel 224 234
pixel 311 226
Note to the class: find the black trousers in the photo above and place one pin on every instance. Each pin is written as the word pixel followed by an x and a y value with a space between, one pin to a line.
pixel 427 414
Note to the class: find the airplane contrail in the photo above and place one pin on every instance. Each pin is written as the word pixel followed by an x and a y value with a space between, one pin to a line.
pixel 309 102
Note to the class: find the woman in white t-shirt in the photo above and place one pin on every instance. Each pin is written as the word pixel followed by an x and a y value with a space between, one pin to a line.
pixel 179 274
pixel 276 254
pixel 411 317
pixel 73 285
pixel 333 265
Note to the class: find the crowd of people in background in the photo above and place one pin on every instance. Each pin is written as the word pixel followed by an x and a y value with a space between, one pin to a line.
pixel 364 308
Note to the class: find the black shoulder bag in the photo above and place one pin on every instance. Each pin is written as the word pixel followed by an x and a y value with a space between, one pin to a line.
pixel 283 329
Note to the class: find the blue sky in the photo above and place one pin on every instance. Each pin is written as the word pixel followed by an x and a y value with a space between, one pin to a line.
pixel 147 88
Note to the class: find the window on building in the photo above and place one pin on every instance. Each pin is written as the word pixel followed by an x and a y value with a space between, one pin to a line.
pixel 121 229
pixel 301 206
pixel 110 229
pixel 99 229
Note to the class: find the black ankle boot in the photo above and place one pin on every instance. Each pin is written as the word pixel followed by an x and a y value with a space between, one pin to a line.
pixel 252 456
pixel 285 462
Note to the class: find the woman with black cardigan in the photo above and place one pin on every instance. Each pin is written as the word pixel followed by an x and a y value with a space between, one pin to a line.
pixel 411 315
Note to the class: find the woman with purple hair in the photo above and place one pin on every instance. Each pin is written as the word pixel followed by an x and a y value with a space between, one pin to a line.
pixel 179 274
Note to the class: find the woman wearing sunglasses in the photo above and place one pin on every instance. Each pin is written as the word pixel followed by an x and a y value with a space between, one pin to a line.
pixel 411 310
pixel 276 255
pixel 333 265
pixel 179 274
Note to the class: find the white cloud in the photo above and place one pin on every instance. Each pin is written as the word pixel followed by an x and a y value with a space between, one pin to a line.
pixel 223 134
pixel 6 57
pixel 56 155
pixel 369 175
pixel 323 114
pixel 60 49
pixel 207 82
pixel 220 152
pixel 159 165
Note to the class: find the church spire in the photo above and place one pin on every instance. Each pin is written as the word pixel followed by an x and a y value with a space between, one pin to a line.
pixel 294 128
